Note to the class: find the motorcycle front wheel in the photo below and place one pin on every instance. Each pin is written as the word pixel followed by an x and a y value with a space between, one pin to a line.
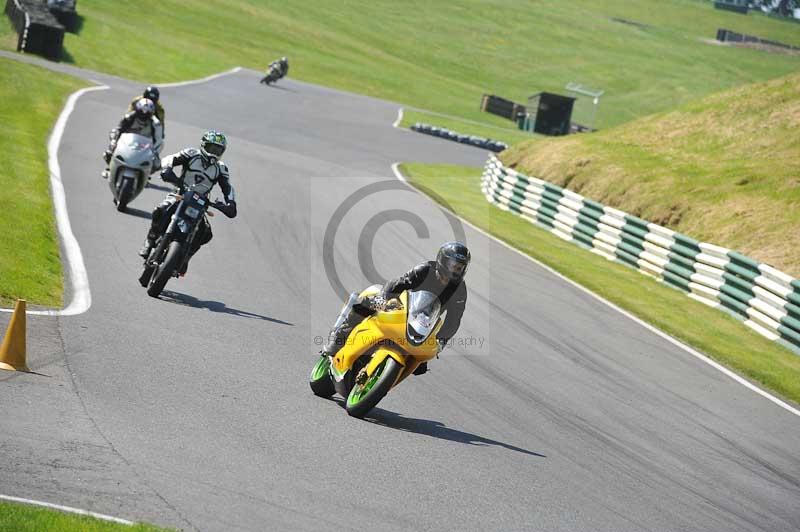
pixel 320 379
pixel 364 397
pixel 125 194
pixel 165 269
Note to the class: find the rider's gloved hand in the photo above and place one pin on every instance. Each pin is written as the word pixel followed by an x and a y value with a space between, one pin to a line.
pixel 393 304
pixel 228 209
pixel 168 175
pixel 376 302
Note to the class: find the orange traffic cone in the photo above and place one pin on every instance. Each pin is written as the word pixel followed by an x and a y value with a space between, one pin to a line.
pixel 12 350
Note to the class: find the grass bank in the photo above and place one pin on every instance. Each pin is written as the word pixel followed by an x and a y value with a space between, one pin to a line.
pixel 724 169
pixel 442 55
pixel 24 518
pixel 715 333
pixel 31 99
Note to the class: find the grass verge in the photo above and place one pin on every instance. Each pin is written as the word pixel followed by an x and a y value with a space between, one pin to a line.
pixel 509 135
pixel 31 99
pixel 715 333
pixel 723 169
pixel 442 55
pixel 25 518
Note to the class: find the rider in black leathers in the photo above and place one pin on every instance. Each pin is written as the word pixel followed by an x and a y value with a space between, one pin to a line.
pixel 443 277
pixel 154 95
pixel 282 67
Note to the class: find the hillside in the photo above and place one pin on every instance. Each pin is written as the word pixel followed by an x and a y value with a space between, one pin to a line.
pixel 724 169
pixel 440 55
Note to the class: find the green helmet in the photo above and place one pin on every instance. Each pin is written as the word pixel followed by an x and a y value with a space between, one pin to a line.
pixel 213 144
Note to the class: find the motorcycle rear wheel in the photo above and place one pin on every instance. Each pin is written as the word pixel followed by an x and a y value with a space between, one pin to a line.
pixel 320 379
pixel 165 269
pixel 364 397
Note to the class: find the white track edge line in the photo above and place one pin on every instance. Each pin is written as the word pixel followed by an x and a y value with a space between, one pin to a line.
pixel 396 123
pixel 741 380
pixel 67 509
pixel 81 296
pixel 212 77
pixel 78 277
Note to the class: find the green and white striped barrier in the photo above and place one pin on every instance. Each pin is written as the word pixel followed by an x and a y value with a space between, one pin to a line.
pixel 766 299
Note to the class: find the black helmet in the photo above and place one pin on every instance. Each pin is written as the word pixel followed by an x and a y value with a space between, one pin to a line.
pixel 151 93
pixel 213 144
pixel 452 261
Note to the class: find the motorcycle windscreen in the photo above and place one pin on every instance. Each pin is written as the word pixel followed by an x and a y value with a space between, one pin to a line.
pixel 135 141
pixel 424 309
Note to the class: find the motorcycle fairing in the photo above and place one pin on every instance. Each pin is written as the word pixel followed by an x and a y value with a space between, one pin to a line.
pixel 385 335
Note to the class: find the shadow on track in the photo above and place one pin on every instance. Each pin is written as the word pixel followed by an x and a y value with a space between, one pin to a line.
pixel 160 187
pixel 139 213
pixel 273 86
pixel 436 429
pixel 215 306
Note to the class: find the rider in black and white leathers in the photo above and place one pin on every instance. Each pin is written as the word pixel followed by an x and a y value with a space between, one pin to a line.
pixel 200 172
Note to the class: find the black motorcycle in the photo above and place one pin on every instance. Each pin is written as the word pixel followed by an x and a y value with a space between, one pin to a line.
pixel 170 256
pixel 273 74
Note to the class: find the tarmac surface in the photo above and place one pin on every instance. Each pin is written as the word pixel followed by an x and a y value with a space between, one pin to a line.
pixel 550 412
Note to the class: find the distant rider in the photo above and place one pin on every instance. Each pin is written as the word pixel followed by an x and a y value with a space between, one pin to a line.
pixel 280 65
pixel 443 277
pixel 140 121
pixel 201 170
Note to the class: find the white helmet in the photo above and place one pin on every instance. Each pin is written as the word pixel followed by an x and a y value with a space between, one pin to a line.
pixel 145 107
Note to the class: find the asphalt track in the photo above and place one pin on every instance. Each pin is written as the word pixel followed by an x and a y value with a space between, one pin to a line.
pixel 193 411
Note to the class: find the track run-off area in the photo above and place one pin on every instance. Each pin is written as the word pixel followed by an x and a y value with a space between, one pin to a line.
pixel 551 411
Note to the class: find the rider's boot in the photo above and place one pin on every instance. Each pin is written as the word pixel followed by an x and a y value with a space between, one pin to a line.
pixel 146 247
pixel 344 325
pixel 422 369
pixel 185 266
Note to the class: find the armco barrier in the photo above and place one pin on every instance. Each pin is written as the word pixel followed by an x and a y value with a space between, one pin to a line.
pixel 766 299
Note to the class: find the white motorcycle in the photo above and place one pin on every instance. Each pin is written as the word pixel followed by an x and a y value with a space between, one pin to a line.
pixel 134 159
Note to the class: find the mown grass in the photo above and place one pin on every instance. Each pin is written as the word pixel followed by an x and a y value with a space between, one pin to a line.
pixel 24 518
pixel 442 55
pixel 725 169
pixel 715 333
pixel 31 99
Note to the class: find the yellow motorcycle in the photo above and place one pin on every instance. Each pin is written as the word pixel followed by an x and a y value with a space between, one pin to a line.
pixel 381 351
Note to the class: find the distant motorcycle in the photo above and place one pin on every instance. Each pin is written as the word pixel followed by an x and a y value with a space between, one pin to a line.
pixel 134 159
pixel 170 256
pixel 273 74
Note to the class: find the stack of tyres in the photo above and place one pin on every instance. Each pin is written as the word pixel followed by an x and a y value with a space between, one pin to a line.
pixel 472 140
